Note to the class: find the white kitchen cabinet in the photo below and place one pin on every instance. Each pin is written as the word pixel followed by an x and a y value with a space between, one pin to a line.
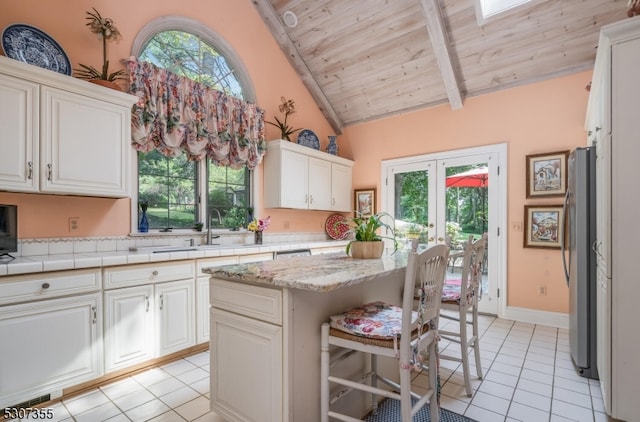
pixel 299 177
pixel 202 294
pixel 129 327
pixel 615 97
pixel 150 311
pixel 247 325
pixel 62 135
pixel 19 120
pixel 49 345
pixel 175 307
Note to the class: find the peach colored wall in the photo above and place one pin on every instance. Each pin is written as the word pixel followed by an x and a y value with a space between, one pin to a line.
pixel 542 117
pixel 235 20
pixel 547 116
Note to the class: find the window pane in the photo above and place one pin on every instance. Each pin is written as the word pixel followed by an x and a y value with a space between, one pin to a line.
pixel 228 189
pixel 168 185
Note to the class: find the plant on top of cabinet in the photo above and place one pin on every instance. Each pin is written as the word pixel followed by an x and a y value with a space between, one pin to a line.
pixel 106 30
pixel 287 107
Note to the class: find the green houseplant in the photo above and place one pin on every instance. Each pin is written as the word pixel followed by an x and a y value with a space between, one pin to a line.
pixel 368 241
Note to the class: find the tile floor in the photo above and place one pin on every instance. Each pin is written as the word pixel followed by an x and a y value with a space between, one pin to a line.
pixel 528 376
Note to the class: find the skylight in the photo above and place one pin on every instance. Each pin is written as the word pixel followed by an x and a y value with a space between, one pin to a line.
pixel 488 8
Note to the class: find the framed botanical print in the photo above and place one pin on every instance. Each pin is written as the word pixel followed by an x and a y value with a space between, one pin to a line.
pixel 543 226
pixel 547 174
pixel 365 202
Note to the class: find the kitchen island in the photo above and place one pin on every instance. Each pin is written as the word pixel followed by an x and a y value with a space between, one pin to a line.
pixel 265 330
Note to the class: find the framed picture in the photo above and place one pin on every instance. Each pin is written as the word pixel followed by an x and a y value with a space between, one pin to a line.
pixel 543 226
pixel 547 174
pixel 365 201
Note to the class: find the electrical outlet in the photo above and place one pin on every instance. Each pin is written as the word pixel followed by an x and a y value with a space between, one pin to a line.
pixel 74 223
pixel 516 226
pixel 542 290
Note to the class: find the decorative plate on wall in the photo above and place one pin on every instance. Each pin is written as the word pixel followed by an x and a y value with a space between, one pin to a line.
pixel 335 227
pixel 30 45
pixel 309 139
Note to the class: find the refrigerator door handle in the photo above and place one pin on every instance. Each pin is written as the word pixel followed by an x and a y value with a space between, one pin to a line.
pixel 563 243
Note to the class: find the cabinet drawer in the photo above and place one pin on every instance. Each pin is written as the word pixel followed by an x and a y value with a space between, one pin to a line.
pixel 135 275
pixel 252 301
pixel 47 285
pixel 215 262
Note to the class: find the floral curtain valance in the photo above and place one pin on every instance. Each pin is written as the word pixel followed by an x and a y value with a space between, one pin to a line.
pixel 177 115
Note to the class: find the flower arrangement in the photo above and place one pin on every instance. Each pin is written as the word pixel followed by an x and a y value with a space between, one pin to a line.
pixel 259 225
pixel 287 107
pixel 106 31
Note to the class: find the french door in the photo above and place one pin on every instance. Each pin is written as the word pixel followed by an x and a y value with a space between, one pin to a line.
pixel 453 196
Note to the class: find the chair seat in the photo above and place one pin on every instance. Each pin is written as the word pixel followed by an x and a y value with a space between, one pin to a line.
pixel 375 320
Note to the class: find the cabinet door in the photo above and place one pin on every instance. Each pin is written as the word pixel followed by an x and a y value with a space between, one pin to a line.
pixel 129 327
pixel 294 186
pixel 202 310
pixel 319 184
pixel 85 145
pixel 603 336
pixel 175 316
pixel 49 345
pixel 246 367
pixel 19 134
pixel 341 188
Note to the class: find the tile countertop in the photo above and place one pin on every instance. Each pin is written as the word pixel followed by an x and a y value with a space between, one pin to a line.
pixel 320 273
pixel 57 262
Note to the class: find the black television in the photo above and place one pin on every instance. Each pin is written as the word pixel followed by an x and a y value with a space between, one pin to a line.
pixel 8 229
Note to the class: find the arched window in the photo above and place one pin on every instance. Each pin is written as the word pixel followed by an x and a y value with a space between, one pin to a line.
pixel 181 193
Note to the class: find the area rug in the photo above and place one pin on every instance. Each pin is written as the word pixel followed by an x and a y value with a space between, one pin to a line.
pixel 389 411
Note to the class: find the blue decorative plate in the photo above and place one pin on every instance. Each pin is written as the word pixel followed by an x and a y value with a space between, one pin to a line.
pixel 30 45
pixel 309 139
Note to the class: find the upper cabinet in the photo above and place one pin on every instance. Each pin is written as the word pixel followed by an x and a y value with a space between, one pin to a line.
pixel 62 135
pixel 300 177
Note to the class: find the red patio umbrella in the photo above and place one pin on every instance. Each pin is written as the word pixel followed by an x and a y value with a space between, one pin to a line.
pixel 474 178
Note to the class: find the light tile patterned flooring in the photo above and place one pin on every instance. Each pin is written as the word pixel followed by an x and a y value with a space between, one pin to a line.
pixel 528 376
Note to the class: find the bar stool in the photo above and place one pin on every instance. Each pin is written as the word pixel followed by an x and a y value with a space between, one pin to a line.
pixel 463 299
pixel 381 329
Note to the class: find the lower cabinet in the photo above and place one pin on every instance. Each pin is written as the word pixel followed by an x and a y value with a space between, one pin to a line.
pixel 129 327
pixel 57 342
pixel 246 344
pixel 145 322
pixel 150 311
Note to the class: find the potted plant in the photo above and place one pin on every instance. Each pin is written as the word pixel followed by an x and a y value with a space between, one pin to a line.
pixel 106 31
pixel 198 226
pixel 287 107
pixel 368 242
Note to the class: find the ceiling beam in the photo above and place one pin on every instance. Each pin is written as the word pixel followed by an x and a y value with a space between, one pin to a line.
pixel 273 22
pixel 440 44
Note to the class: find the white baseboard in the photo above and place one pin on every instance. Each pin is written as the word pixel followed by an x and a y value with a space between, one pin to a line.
pixel 532 316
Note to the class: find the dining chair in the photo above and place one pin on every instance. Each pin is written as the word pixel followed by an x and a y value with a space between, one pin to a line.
pixel 456 253
pixel 462 300
pixel 406 333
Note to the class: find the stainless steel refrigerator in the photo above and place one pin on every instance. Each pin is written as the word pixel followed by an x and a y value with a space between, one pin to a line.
pixel 579 258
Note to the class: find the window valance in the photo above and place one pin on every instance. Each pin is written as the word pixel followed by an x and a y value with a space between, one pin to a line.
pixel 176 115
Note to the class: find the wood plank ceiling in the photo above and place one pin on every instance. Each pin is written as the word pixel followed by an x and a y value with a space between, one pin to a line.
pixel 368 59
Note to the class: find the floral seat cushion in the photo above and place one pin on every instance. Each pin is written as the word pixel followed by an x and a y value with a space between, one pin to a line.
pixel 451 292
pixel 377 320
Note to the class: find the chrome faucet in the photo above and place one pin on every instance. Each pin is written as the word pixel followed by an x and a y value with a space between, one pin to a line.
pixel 209 237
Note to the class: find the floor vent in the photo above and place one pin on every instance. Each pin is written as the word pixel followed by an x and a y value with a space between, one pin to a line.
pixel 33 402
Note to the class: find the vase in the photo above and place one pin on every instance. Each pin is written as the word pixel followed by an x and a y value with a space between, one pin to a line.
pixel 258 237
pixel 367 250
pixel 332 148
pixel 143 227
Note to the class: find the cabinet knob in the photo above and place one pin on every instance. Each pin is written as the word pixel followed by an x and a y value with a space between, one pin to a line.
pixel 45 285
pixel 155 272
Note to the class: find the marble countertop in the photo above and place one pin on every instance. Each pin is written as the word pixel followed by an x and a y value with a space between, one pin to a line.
pixel 321 273
pixel 77 260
